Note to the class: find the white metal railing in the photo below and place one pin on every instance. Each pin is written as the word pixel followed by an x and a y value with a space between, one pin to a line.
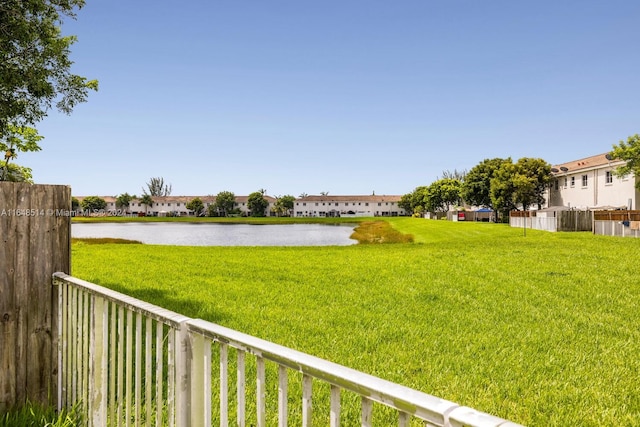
pixel 127 362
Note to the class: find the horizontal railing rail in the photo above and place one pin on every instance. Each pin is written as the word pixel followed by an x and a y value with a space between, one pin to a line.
pixel 128 362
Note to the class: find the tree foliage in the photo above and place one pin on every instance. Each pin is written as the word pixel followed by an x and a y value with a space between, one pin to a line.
pixel 476 189
pixel 502 188
pixel 442 195
pixel 534 177
pixel 257 204
pixel 455 174
pixel 284 205
pixel 35 70
pixel 124 200
pixel 416 201
pixel 93 203
pixel 147 201
pixel 15 173
pixel 17 139
pixel 225 203
pixel 629 151
pixel 521 184
pixel 196 206
pixel 157 188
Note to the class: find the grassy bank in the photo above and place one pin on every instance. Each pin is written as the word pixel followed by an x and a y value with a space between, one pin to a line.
pixel 541 329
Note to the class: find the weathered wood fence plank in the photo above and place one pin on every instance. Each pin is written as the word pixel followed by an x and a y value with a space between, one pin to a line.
pixel 35 229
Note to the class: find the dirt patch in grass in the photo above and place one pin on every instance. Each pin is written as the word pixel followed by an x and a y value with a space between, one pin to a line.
pixel 372 232
pixel 102 240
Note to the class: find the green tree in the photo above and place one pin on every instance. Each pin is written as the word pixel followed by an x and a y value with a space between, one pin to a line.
pixel 284 205
pixel 35 70
pixel 75 204
pixel 257 204
pixel 17 139
pixel 147 201
pixel 502 189
pixel 225 203
pixel 476 189
pixel 406 203
pixel 157 188
pixel 93 203
pixel 520 184
pixel 15 173
pixel 535 177
pixel 196 206
pixel 455 174
pixel 628 151
pixel 443 194
pixel 124 201
pixel 415 202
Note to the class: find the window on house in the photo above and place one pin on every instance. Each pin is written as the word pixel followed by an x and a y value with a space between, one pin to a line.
pixel 379 204
pixel 556 184
pixel 584 180
pixel 565 182
pixel 366 204
pixel 573 181
pixel 609 177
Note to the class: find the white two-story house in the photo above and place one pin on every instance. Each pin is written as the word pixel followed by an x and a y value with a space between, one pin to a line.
pixel 590 183
pixel 330 206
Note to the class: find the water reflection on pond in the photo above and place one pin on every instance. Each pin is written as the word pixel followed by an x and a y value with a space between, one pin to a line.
pixel 199 234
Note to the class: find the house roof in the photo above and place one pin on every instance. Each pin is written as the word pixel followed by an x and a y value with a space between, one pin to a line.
pixel 180 199
pixel 330 198
pixel 593 162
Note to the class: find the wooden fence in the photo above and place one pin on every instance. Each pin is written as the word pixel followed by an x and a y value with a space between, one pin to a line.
pixel 36 231
pixel 128 362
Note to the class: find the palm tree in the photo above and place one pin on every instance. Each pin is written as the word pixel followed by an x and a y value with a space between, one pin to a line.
pixel 147 201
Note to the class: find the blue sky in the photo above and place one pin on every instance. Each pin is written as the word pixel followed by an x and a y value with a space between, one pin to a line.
pixel 349 97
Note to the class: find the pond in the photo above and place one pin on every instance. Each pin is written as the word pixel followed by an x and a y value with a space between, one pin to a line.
pixel 199 234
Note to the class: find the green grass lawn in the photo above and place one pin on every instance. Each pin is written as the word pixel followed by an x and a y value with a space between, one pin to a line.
pixel 543 330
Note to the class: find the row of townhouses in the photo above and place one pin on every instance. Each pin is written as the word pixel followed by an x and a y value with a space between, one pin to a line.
pixel 580 184
pixel 309 206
